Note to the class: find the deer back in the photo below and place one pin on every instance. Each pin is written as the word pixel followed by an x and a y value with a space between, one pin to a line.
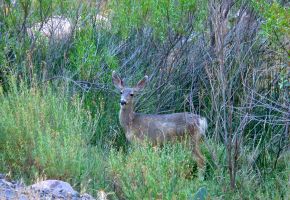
pixel 160 128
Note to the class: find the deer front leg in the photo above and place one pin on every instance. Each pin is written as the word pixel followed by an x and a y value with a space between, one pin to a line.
pixel 196 140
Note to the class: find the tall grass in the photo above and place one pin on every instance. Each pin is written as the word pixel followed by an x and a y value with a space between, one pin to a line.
pixel 46 134
pixel 148 173
pixel 170 172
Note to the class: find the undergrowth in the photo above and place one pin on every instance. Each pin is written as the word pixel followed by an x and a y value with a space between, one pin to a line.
pixel 45 135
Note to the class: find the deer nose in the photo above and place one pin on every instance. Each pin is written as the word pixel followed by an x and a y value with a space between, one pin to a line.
pixel 122 102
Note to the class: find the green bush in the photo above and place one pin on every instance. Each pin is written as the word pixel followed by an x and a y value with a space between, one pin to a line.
pixel 47 134
pixel 162 16
pixel 276 18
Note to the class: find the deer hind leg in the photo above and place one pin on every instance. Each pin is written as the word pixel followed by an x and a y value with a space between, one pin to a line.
pixel 196 140
pixel 196 150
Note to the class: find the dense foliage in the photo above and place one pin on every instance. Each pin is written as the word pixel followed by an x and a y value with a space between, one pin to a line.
pixel 225 60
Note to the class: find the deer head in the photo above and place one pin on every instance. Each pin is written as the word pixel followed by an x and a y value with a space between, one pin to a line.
pixel 127 93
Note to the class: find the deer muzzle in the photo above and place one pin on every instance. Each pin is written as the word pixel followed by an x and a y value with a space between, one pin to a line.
pixel 122 102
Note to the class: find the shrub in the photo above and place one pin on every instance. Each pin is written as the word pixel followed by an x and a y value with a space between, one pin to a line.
pixel 162 16
pixel 47 134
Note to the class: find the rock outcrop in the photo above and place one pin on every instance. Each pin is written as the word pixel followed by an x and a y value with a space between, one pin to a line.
pixel 48 189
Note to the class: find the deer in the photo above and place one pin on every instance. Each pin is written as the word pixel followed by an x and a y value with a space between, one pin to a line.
pixel 157 128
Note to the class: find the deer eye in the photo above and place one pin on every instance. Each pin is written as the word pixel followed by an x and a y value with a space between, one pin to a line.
pixel 131 95
pixel 121 92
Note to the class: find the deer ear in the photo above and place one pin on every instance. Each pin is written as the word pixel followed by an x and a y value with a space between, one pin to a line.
pixel 141 84
pixel 118 82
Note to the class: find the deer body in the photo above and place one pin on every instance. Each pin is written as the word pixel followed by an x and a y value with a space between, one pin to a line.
pixel 157 129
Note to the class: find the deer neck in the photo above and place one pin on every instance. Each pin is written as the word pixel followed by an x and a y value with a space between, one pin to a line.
pixel 126 116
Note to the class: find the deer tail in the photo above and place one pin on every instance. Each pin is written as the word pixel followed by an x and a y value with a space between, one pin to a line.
pixel 202 125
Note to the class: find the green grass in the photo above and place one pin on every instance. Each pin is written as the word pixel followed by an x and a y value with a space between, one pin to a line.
pixel 170 172
pixel 148 173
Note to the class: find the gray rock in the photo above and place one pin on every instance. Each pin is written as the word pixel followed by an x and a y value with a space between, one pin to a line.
pixel 49 189
pixel 55 187
pixel 5 184
pixel 86 196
